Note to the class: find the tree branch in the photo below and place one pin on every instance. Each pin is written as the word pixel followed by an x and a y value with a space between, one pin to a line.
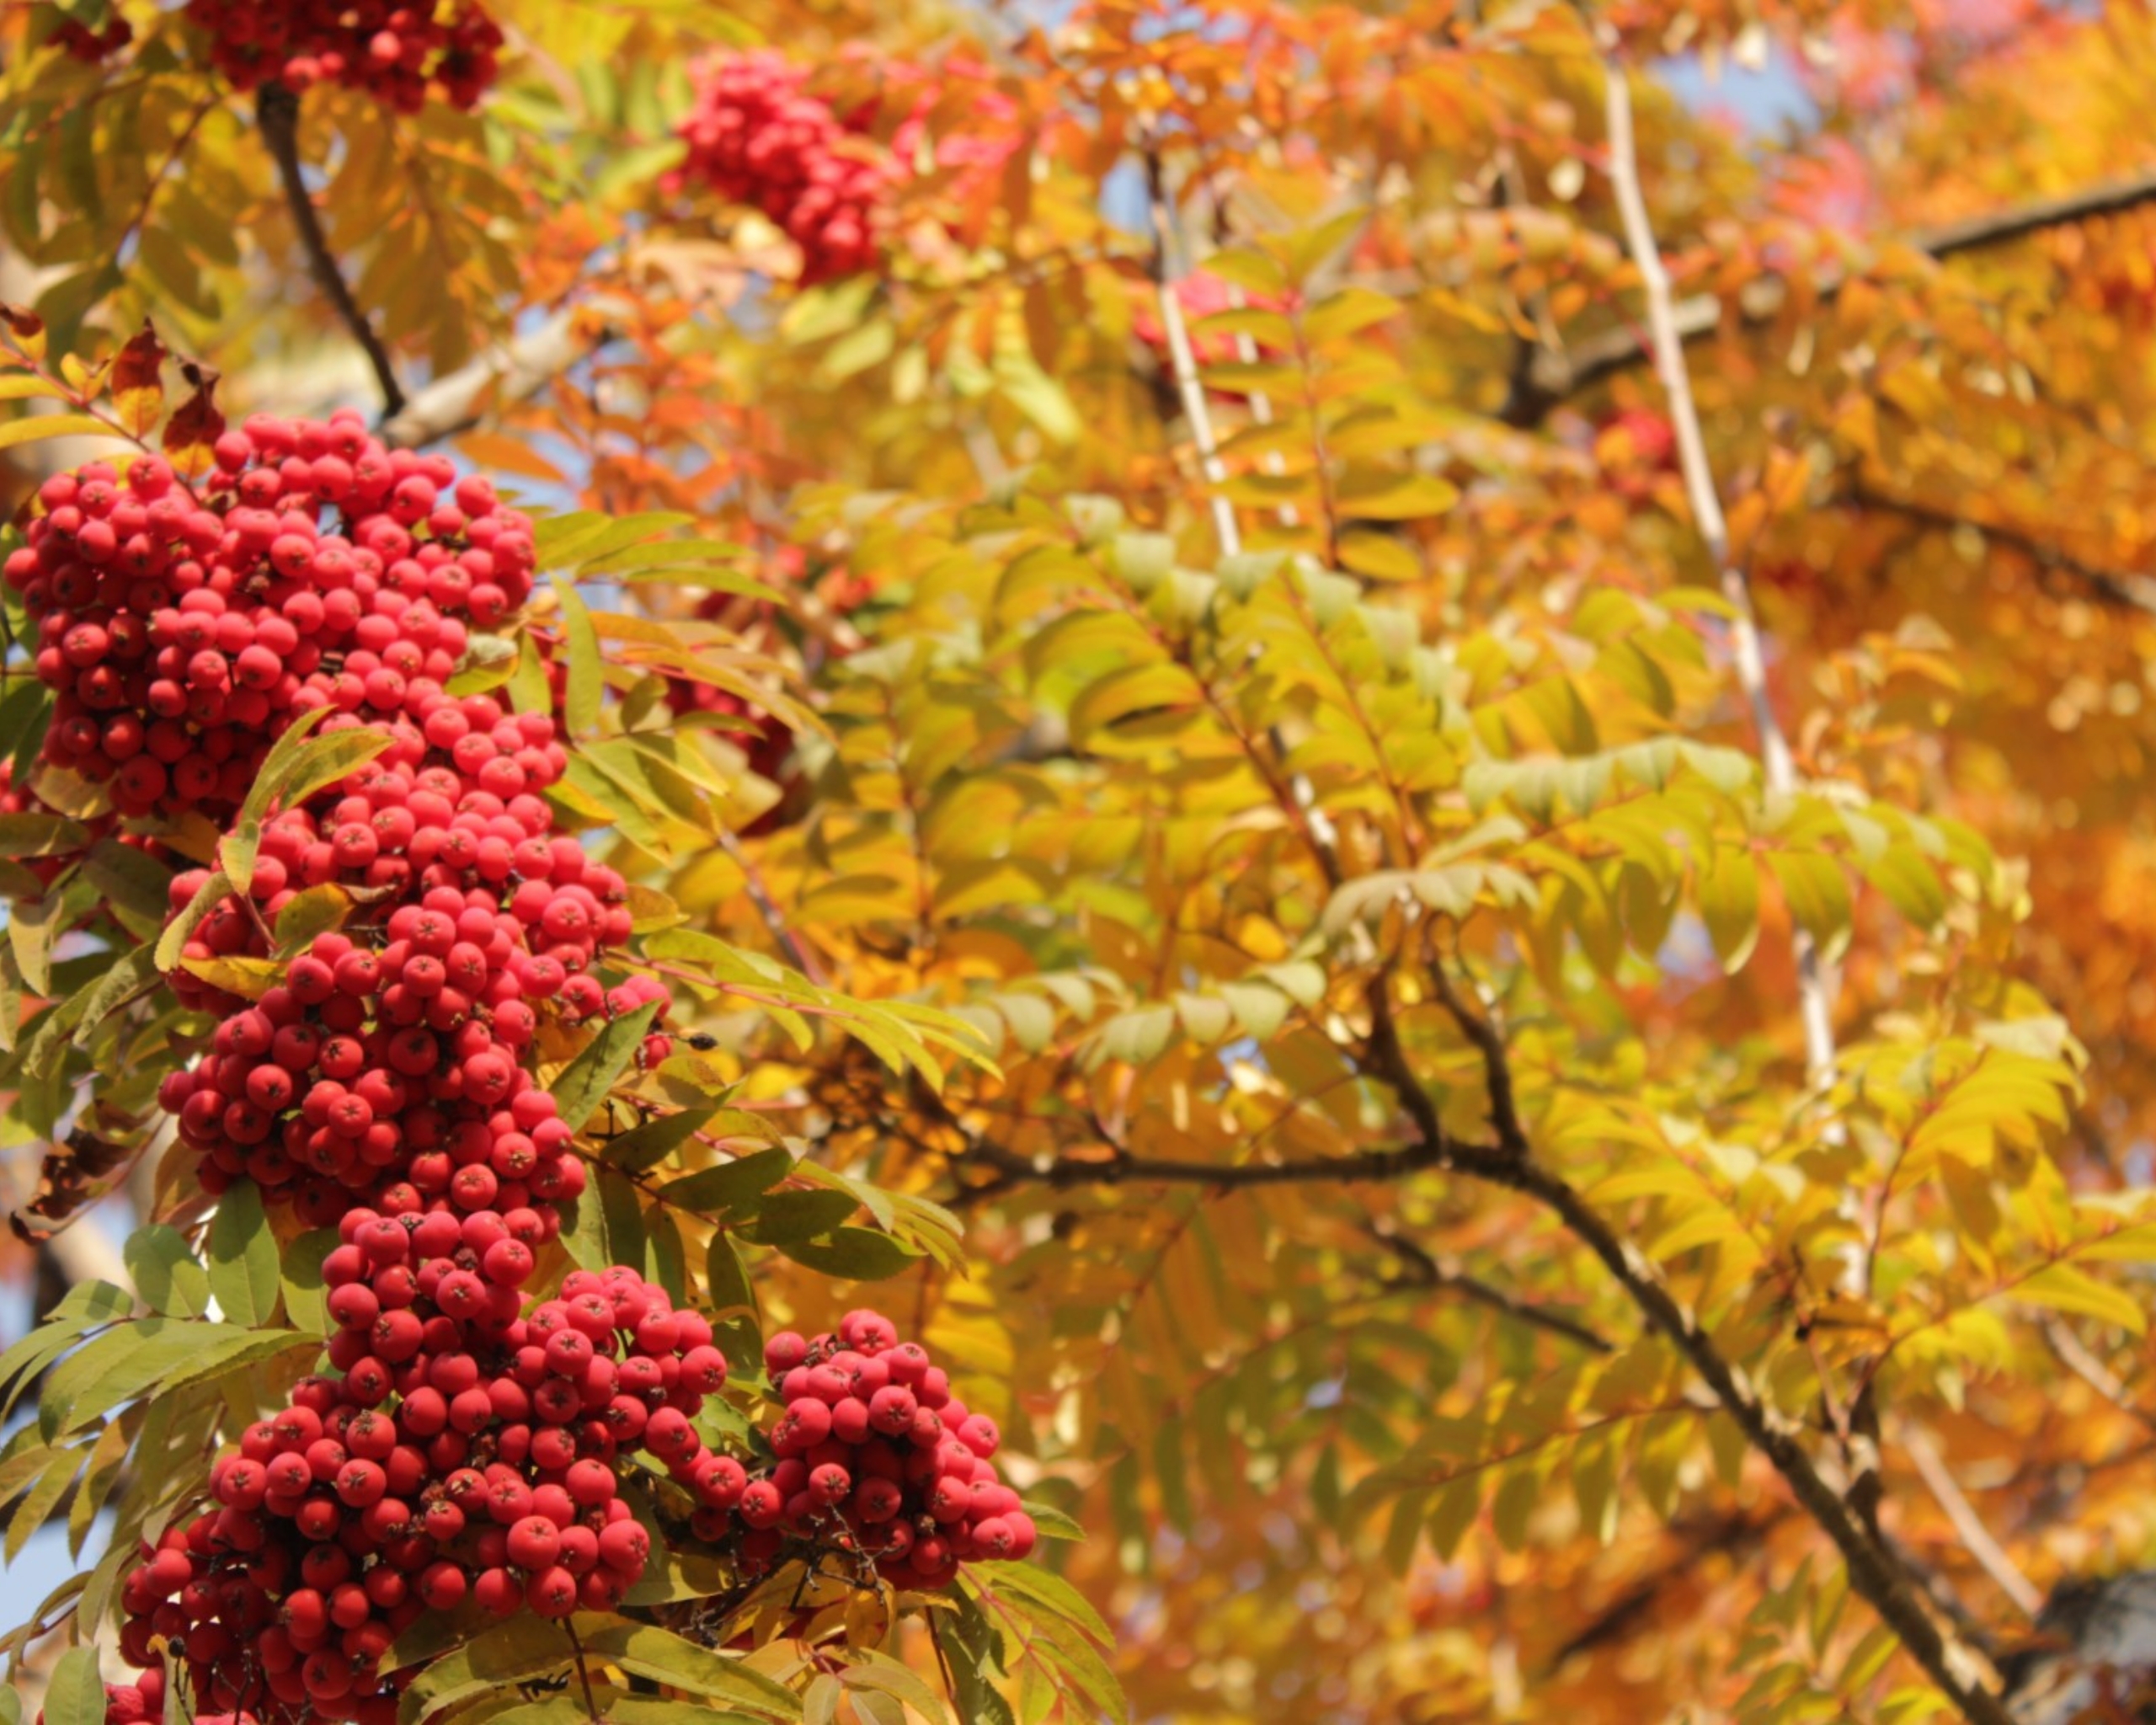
pixel 2116 587
pixel 1732 1534
pixel 1873 1572
pixel 1554 374
pixel 277 113
pixel 1121 1168
pixel 1433 1270
pixel 517 368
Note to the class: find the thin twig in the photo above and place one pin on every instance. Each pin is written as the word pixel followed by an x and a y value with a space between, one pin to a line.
pixel 1745 646
pixel 1976 1538
pixel 2092 1371
pixel 277 113
pixel 1436 1270
pixel 805 961
pixel 1184 363
pixel 1732 1534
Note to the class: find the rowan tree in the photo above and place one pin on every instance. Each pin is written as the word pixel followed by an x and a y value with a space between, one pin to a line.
pixel 1233 862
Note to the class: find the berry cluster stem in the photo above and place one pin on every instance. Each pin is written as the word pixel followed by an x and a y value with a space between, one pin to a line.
pixel 277 113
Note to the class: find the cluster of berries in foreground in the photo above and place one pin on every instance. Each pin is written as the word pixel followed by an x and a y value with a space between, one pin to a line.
pixel 877 1457
pixel 184 634
pixel 393 52
pixel 463 1441
pixel 469 1449
pixel 755 137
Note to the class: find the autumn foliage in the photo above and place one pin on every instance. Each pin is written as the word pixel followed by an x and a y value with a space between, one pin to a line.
pixel 1236 863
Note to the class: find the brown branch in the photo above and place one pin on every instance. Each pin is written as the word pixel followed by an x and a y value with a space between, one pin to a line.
pixel 767 908
pixel 1875 1572
pixel 277 113
pixel 1124 1169
pixel 1434 1271
pixel 1555 375
pixel 2116 587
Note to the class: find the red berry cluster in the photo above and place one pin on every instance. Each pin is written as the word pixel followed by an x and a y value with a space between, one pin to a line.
pixel 469 1448
pixel 756 137
pixel 393 52
pixel 875 1457
pixel 91 47
pixel 183 633
pixel 133 1703
pixel 393 1072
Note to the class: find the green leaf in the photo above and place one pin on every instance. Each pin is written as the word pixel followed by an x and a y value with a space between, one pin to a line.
pixel 1818 893
pixel 165 1272
pixel 41 836
pixel 728 1287
pixel 883 1675
pixel 586 688
pixel 734 1186
pixel 667 1659
pixel 1376 495
pixel 606 1224
pixel 74 1694
pixel 974 1647
pixel 31 925
pixel 300 1278
pixel 1052 1593
pixel 82 1309
pixel 1729 905
pixel 584 1082
pixel 181 927
pixel 133 974
pixel 296 767
pixel 1347 312
pixel 1911 884
pixel 646 1147
pixel 853 1254
pixel 243 1256
pixel 132 880
pixel 516 1652
pixel 2062 1287
pixel 1052 1523
pixel 316 911
pixel 787 1216
pixel 139 1358
pixel 38 427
